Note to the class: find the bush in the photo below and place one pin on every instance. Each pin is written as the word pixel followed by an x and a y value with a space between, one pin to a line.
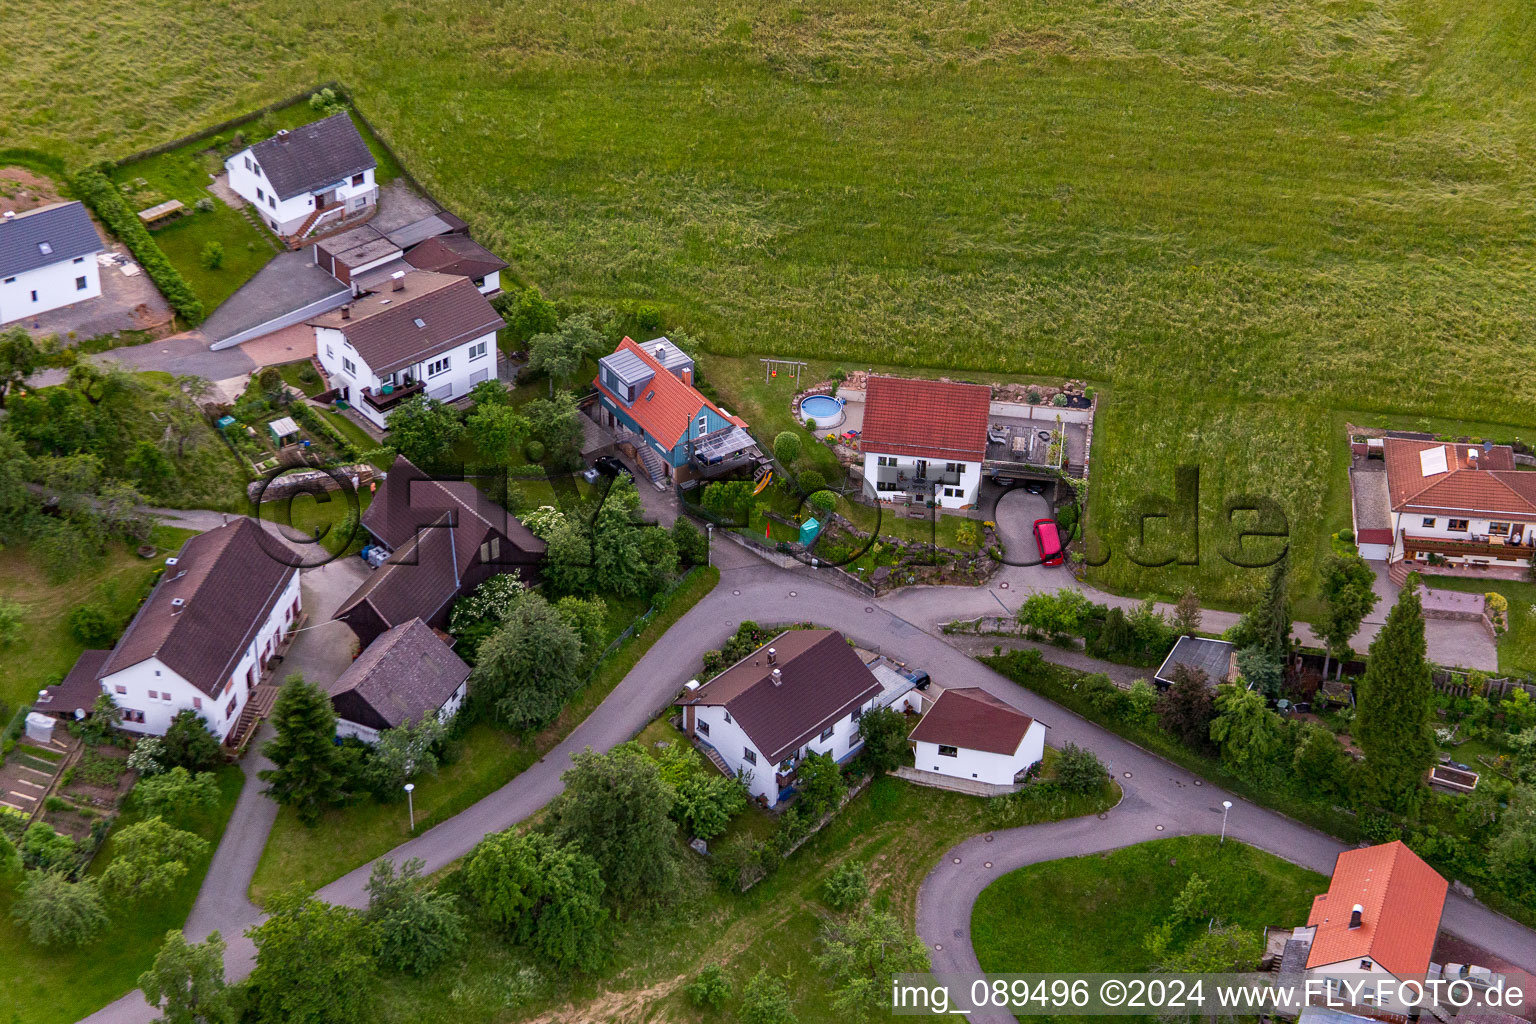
pixel 846 887
pixel 811 481
pixel 1059 401
pixel 308 375
pixel 711 990
pixel 786 448
pixel 92 625
pixel 1080 771
pixel 648 317
pixel 1033 396
pixel 203 205
pixel 93 189
pixel 212 256
pixel 823 502
pixel 533 451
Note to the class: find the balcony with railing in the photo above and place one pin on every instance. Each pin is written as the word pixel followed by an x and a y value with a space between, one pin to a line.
pixel 1487 547
pixel 382 401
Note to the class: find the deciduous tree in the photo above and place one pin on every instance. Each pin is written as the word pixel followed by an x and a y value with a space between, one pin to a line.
pixel 1186 708
pixel 530 666
pixel 1250 736
pixel 58 912
pixel 425 431
pixel 1078 770
pixel 416 927
pixel 543 894
pixel 1348 593
pixel 187 981
pixel 148 858
pixel 861 956
pixel 616 809
pixel 497 431
pixel 19 358
pixel 821 785
pixel 1186 614
pixel 188 743
pixel 176 792
pixel 312 964
pixel 885 738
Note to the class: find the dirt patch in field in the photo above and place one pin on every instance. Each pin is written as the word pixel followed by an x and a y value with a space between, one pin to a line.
pixel 22 190
pixel 616 1007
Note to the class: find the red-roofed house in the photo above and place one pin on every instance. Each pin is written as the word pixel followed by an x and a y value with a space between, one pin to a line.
pixel 970 734
pixel 924 440
pixel 1378 919
pixel 1465 503
pixel 647 390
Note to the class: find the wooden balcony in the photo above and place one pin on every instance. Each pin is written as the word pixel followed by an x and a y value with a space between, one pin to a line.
pixel 1451 548
pixel 384 402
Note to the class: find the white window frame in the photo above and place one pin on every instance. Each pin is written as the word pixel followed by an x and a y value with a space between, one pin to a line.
pixel 348 366
pixel 478 350
pixel 438 367
pixel 749 755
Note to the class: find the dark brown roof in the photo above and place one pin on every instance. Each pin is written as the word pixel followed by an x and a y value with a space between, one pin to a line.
pixel 79 689
pixel 455 254
pixel 405 675
pixel 970 717
pixel 228 580
pixel 382 325
pixel 410 500
pixel 821 679
pixel 933 419
pixel 435 530
pixel 321 153
pixel 1474 482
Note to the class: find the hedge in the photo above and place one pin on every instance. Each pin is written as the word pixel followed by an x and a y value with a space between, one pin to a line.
pixel 93 189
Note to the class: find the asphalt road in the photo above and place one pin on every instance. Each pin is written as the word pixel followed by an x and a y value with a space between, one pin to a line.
pixel 1160 799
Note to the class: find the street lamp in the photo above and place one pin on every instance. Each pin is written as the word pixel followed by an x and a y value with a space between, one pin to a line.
pixel 709 538
pixel 410 803
pixel 1226 805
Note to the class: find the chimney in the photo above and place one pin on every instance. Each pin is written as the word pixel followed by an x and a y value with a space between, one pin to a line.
pixel 1354 917
pixel 178 605
pixel 688 375
pixel 1472 457
pixel 773 656
pixel 346 311
pixel 778 678
pixel 397 281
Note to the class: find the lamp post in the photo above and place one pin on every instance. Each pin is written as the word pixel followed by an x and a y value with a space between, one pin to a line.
pixel 1226 805
pixel 709 541
pixel 410 803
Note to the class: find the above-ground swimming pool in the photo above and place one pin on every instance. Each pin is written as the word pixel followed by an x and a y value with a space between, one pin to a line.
pixel 824 409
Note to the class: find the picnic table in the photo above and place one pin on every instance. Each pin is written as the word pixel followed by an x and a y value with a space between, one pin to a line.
pixel 160 211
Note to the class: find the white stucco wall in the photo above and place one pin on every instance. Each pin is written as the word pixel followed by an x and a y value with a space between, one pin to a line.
pixel 55 285
pixel 285 216
pixel 732 742
pixel 490 283
pixel 463 373
pixel 1477 527
pixel 1350 972
pixel 131 686
pixel 981 765
pixel 966 489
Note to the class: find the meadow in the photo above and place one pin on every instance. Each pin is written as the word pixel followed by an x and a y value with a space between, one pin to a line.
pixel 1238 219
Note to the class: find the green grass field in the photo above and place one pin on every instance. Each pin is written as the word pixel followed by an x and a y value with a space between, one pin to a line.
pixel 1237 219
pixel 1092 913
pixel 55 986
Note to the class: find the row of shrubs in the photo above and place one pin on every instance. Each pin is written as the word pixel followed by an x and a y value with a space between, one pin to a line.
pixel 1142 638
pixel 93 189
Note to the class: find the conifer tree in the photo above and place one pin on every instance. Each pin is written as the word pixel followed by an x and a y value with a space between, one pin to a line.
pixel 309 773
pixel 1394 702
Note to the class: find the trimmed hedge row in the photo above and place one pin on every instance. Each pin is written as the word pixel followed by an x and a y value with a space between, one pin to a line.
pixel 93 189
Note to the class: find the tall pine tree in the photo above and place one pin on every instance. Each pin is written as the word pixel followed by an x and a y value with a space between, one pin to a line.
pixel 309 772
pixel 1395 704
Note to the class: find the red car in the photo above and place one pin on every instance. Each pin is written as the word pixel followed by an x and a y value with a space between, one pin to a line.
pixel 1048 541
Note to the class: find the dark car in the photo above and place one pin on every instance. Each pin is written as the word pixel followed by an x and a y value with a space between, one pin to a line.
pixel 1035 486
pixel 610 466
pixel 1048 541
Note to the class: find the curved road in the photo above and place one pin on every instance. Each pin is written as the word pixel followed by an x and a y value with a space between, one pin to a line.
pixel 1156 792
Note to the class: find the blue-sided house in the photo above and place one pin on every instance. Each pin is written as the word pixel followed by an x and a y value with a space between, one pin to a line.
pixel 647 396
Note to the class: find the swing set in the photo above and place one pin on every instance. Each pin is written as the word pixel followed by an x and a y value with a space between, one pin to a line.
pixel 792 369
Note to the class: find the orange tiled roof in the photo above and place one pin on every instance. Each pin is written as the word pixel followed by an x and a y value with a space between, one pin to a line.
pixel 666 406
pixel 1484 483
pixel 933 419
pixel 1402 899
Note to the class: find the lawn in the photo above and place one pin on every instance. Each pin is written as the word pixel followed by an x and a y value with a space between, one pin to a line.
pixel 1232 222
pixel 117 580
pixel 1092 913
pixel 487 758
pixel 306 513
pixel 897 830
pixel 55 986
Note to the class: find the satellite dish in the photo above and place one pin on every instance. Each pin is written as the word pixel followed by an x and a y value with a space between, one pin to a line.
pixel 79 714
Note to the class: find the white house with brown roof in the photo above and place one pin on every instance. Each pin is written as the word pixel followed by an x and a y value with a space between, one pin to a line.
pixel 418 331
pixel 1465 503
pixel 801 693
pixel 403 677
pixel 201 640
pixel 970 734
pixel 924 440
pixel 307 179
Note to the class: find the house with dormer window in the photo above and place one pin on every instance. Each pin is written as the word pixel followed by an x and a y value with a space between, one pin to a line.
pixel 202 640
pixel 646 394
